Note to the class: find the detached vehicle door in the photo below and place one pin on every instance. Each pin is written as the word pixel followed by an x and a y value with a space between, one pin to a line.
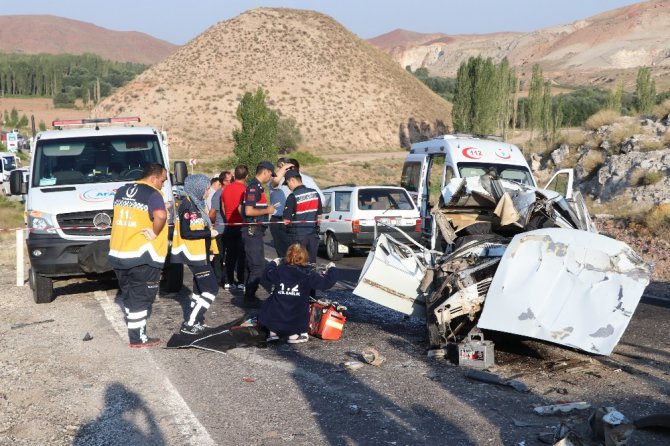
pixel 563 183
pixel 416 180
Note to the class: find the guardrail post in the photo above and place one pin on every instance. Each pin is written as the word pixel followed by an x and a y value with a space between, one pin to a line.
pixel 20 274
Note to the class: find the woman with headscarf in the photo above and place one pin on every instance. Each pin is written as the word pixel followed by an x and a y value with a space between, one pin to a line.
pixel 191 246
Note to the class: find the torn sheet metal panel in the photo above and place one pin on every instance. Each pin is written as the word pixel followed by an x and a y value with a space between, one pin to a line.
pixel 392 276
pixel 566 286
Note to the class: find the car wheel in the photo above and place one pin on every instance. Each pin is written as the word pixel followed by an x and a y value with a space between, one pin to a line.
pixel 43 288
pixel 332 248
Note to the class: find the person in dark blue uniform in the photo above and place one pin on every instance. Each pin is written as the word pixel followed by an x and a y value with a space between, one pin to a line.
pixel 286 311
pixel 301 214
pixel 256 210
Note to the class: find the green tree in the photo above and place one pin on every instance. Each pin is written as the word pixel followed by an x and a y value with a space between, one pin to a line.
pixel 483 96
pixel 615 100
pixel 546 117
pixel 645 91
pixel 256 140
pixel 23 122
pixel 557 121
pixel 42 126
pixel 13 118
pixel 288 135
pixel 535 99
pixel 461 111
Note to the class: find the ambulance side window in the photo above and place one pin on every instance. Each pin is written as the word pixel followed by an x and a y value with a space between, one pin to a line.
pixel 448 174
pixel 411 174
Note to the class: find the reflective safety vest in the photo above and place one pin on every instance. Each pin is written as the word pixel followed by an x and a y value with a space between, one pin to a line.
pixel 191 237
pixel 128 247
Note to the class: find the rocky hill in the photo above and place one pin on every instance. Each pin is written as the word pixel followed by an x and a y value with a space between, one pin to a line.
pixel 594 50
pixel 34 34
pixel 344 93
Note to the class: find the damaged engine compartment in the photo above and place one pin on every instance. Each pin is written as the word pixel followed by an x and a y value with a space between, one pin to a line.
pixel 514 259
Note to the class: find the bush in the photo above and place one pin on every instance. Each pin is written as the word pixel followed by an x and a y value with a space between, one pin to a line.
pixel 306 158
pixel 592 161
pixel 658 220
pixel 601 118
pixel 651 178
pixel 621 132
pixel 662 109
pixel 288 135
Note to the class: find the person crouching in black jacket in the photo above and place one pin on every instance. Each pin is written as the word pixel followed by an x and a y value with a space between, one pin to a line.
pixel 286 311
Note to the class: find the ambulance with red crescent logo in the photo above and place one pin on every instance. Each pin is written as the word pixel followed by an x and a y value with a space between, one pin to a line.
pixel 432 164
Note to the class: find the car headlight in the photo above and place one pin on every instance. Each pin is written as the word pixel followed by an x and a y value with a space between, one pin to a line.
pixel 40 223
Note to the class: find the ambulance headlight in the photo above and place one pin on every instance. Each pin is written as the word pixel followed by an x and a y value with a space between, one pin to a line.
pixel 40 223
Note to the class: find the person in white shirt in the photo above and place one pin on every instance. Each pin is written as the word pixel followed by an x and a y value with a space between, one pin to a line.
pixel 214 185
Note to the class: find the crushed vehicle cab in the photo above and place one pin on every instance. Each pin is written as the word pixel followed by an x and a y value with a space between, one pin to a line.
pixel 74 175
pixel 504 255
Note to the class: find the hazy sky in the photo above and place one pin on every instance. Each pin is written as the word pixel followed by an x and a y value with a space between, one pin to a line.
pixel 179 21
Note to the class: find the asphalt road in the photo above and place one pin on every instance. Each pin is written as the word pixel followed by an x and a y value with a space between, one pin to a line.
pixel 303 395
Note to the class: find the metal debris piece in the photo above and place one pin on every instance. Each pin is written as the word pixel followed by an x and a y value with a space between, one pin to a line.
pixel 561 408
pixel 490 378
pixel 372 356
pixel 353 365
pixel 87 337
pixel 521 423
pixel 14 327
pixel 247 379
pixel 559 390
pixel 437 353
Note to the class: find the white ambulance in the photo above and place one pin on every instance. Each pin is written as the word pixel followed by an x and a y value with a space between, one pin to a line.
pixel 74 174
pixel 431 165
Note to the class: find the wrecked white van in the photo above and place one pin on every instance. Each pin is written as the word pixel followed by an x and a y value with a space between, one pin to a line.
pixel 512 258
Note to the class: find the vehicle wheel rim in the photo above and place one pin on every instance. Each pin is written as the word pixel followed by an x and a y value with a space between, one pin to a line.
pixel 330 246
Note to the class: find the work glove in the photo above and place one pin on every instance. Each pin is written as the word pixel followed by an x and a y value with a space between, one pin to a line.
pixel 148 234
pixel 277 261
pixel 330 265
pixel 213 232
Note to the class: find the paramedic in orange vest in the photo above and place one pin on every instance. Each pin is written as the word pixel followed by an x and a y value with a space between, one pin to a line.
pixel 192 245
pixel 138 246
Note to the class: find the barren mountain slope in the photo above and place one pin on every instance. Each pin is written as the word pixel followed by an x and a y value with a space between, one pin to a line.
pixel 345 94
pixel 613 42
pixel 34 34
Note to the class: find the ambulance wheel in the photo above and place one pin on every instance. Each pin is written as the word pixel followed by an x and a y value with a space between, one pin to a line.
pixel 43 288
pixel 174 277
pixel 332 248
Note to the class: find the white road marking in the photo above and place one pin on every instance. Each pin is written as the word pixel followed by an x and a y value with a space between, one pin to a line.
pixel 188 424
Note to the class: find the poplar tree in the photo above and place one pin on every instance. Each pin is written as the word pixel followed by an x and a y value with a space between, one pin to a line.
pixel 535 100
pixel 645 91
pixel 615 100
pixel 482 98
pixel 546 111
pixel 461 110
pixel 256 140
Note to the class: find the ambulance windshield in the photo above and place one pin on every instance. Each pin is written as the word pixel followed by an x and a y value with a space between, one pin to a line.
pixel 99 159
pixel 505 171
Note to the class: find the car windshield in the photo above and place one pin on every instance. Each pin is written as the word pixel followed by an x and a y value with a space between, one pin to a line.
pixel 384 199
pixel 505 171
pixel 99 159
pixel 8 163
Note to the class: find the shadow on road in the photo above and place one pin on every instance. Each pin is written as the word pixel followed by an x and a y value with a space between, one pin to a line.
pixel 125 419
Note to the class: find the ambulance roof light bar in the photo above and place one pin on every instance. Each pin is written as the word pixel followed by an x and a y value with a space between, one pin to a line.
pixel 87 121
